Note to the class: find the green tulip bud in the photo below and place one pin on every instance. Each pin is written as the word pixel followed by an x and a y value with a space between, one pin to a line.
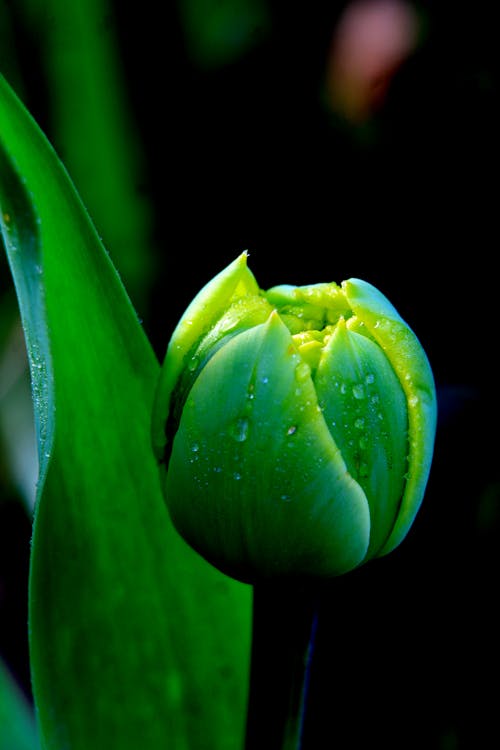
pixel 294 427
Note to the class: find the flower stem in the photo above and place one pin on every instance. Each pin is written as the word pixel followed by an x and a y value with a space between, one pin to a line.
pixel 284 626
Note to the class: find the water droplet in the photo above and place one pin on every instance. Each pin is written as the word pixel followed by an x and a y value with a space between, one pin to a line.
pixel 380 415
pixel 239 430
pixel 370 378
pixel 195 447
pixel 302 371
pixel 292 429
pixel 413 400
pixel 217 469
pixel 359 423
pixel 286 498
pixel 375 398
pixel 193 364
pixel 343 388
pixel 265 380
pixel 236 476
pixel 358 391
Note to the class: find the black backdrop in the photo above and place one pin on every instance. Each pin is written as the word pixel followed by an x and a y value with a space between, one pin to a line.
pixel 248 157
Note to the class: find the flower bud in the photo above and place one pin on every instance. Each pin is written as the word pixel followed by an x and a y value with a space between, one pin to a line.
pixel 294 427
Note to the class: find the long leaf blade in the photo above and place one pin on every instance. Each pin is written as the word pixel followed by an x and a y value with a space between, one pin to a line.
pixel 135 641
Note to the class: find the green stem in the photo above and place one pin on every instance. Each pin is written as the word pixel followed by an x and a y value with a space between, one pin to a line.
pixel 284 625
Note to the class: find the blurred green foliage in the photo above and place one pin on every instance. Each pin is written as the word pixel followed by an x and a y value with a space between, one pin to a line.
pixel 92 127
pixel 218 33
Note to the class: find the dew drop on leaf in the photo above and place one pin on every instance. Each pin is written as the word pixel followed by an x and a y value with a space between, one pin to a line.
pixel 239 430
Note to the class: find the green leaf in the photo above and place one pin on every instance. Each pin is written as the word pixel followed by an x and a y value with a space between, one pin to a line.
pixel 135 640
pixel 17 722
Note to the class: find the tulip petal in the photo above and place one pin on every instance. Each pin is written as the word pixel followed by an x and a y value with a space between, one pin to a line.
pixel 365 410
pixel 255 480
pixel 412 368
pixel 207 306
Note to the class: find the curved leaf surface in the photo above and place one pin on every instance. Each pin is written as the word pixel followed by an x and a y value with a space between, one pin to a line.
pixel 135 640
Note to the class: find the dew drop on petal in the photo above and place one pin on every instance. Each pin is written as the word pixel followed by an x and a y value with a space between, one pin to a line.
pixel 302 371
pixel 358 391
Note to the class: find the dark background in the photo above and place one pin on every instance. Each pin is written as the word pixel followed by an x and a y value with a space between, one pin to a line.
pixel 249 155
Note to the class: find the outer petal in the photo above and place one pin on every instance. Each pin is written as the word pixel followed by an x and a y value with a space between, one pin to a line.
pixel 255 481
pixel 206 307
pixel 365 409
pixel 412 368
